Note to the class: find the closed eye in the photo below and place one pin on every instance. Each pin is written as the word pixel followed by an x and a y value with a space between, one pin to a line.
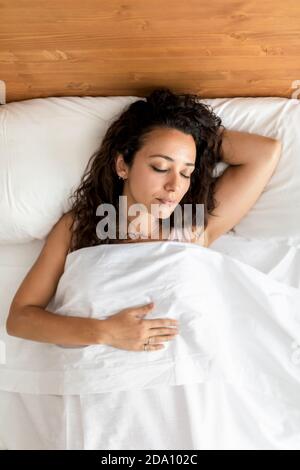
pixel 164 171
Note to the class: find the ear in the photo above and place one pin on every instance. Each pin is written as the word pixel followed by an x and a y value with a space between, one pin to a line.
pixel 119 161
pixel 120 165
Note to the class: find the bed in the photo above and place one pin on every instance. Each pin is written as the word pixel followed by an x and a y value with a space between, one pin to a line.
pixel 42 159
pixel 127 416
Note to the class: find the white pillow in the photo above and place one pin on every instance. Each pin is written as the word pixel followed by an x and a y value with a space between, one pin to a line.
pixel 45 145
pixel 276 214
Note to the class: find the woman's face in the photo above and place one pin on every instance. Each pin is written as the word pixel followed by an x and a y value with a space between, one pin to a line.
pixel 155 179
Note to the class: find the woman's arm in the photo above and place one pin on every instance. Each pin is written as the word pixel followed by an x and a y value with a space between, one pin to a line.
pixel 240 148
pixel 37 324
pixel 27 316
pixel 253 159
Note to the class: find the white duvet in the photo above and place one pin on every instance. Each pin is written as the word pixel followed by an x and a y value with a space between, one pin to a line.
pixel 237 325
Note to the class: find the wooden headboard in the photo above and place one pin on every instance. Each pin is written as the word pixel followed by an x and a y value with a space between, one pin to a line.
pixel 215 48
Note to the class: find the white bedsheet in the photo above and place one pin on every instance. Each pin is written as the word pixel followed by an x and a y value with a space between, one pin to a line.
pixel 254 315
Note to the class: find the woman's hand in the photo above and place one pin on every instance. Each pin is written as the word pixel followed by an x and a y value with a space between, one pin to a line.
pixel 129 330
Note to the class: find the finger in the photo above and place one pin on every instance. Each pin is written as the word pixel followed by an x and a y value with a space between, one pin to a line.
pixel 152 347
pixel 163 331
pixel 159 339
pixel 147 306
pixel 142 311
pixel 165 322
pixel 143 308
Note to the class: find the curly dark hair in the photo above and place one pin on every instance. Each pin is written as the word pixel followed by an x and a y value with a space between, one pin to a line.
pixel 126 135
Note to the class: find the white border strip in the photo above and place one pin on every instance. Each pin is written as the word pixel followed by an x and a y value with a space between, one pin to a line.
pixel 2 92
pixel 2 352
pixel 296 93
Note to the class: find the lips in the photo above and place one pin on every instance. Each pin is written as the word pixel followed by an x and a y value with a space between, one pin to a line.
pixel 166 201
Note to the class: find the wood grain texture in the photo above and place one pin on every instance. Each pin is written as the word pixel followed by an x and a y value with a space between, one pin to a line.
pixel 110 48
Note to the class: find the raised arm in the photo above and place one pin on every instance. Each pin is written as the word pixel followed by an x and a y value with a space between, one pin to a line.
pixel 253 159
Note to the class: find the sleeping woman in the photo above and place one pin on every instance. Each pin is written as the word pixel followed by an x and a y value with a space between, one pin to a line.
pixel 160 153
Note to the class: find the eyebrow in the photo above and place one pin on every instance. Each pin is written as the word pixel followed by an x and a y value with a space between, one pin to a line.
pixel 169 158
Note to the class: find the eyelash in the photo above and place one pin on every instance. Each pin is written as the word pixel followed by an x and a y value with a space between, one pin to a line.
pixel 164 171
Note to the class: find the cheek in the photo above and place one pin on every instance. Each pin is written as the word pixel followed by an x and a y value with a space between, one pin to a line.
pixel 149 180
pixel 145 183
pixel 188 186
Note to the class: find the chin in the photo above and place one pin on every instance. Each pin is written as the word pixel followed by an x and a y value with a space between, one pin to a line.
pixel 162 212
pixel 165 214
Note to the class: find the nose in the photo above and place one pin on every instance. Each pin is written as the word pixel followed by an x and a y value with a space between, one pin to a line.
pixel 173 182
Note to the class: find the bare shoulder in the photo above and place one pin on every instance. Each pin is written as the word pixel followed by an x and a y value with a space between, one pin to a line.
pixel 67 219
pixel 41 281
pixel 60 236
pixel 64 228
